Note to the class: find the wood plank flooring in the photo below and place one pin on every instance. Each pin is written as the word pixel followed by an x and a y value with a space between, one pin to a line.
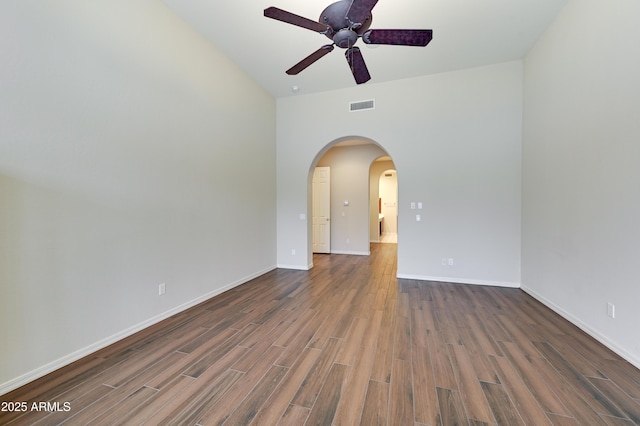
pixel 343 344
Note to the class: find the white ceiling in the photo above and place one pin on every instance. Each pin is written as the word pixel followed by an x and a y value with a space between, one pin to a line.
pixel 466 33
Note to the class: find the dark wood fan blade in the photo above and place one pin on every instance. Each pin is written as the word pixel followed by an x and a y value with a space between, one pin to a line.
pixel 293 19
pixel 359 11
pixel 357 65
pixel 398 37
pixel 294 70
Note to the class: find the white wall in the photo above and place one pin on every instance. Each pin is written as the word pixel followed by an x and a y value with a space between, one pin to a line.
pixel 131 154
pixel 581 170
pixel 350 182
pixel 455 139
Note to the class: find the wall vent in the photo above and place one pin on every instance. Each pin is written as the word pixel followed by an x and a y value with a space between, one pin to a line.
pixel 361 105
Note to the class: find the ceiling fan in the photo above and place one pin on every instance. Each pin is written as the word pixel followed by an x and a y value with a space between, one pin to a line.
pixel 344 22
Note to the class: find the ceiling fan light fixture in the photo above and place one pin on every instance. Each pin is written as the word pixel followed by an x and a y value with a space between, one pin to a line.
pixel 344 22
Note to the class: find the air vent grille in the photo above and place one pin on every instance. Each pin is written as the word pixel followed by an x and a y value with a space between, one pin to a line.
pixel 361 105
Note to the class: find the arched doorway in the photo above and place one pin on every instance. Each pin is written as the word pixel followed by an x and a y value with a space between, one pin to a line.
pixel 383 208
pixel 388 206
pixel 350 161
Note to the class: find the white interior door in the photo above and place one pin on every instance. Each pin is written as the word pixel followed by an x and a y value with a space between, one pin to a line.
pixel 321 206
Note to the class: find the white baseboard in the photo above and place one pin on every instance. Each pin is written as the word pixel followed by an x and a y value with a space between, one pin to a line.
pixel 356 253
pixel 455 280
pixel 633 359
pixel 101 344
pixel 296 267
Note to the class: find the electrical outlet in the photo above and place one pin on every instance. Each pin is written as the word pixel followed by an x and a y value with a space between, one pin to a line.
pixel 444 261
pixel 611 310
pixel 162 289
pixel 450 261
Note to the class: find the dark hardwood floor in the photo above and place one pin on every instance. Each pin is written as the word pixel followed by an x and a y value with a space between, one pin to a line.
pixel 347 343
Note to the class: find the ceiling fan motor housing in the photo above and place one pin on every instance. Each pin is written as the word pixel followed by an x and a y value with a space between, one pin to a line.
pixel 344 34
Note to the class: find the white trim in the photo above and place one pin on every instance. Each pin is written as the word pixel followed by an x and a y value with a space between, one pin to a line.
pixel 101 344
pixel 356 253
pixel 633 359
pixel 296 267
pixel 455 280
